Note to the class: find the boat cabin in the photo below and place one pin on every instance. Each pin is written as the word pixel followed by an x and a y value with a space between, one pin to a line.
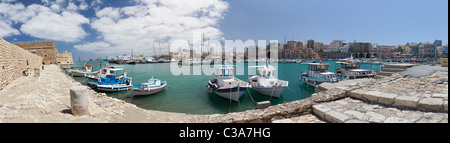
pixel 225 71
pixel 266 72
pixel 349 65
pixel 318 67
pixel 350 69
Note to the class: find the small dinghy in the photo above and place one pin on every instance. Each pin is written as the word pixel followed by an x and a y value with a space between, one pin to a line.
pixel 153 86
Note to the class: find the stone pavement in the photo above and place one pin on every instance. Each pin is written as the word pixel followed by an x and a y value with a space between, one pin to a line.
pixel 350 110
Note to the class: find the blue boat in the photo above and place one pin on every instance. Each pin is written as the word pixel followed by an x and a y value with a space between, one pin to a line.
pixel 111 83
pixel 318 73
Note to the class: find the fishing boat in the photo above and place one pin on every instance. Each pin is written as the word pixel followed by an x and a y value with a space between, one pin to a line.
pixel 226 85
pixel 81 73
pixel 318 73
pixel 265 82
pixel 111 83
pixel 118 71
pixel 349 70
pixel 152 86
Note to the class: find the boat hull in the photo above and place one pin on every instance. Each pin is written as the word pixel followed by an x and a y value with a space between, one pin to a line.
pixel 233 94
pixel 151 91
pixel 113 88
pixel 274 92
pixel 315 82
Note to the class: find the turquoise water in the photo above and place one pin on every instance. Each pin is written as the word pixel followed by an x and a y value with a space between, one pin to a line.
pixel 189 94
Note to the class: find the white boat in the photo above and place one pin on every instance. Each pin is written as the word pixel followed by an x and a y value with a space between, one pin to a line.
pixel 226 85
pixel 265 82
pixel 152 86
pixel 118 71
pixel 81 73
pixel 318 73
pixel 352 70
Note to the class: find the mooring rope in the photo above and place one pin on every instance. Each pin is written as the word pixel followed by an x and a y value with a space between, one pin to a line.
pixel 251 96
pixel 273 89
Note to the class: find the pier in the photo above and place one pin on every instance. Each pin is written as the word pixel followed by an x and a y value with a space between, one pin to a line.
pixel 46 99
pixel 393 99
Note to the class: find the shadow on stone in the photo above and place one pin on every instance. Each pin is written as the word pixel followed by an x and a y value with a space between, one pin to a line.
pixel 66 111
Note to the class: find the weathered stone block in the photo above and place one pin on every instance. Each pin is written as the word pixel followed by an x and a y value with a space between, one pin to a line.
pixel 263 104
pixel 335 117
pixel 372 96
pixel 283 121
pixel 396 120
pixel 446 106
pixel 375 117
pixel 437 95
pixel 356 114
pixel 320 110
pixel 386 98
pixel 433 104
pixel 356 121
pixel 406 101
pixel 358 93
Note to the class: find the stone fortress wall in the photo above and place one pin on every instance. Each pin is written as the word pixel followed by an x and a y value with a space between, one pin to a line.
pixel 45 49
pixel 14 60
pixel 64 58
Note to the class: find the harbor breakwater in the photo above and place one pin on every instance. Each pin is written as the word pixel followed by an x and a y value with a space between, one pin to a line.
pixel 394 99
pixel 46 99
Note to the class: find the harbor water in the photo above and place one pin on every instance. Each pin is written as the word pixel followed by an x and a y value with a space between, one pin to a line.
pixel 189 94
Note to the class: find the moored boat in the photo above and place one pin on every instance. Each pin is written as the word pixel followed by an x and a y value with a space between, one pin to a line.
pixel 352 70
pixel 265 82
pixel 226 85
pixel 81 73
pixel 111 83
pixel 152 86
pixel 318 73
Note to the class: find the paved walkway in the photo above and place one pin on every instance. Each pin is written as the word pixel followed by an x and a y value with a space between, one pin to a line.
pixel 47 99
pixel 349 110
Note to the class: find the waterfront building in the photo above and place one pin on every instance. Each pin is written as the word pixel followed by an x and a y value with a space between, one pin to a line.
pixel 338 43
pixel 427 50
pixel 387 51
pixel 310 44
pixel 361 50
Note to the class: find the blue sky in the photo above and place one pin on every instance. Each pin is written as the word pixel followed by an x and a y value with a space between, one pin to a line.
pixel 92 28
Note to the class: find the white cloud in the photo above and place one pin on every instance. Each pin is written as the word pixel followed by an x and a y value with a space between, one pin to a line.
pixel 6 30
pixel 60 27
pixel 46 22
pixel 91 47
pixel 137 27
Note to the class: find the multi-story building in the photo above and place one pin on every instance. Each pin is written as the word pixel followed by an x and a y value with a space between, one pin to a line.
pixel 387 51
pixel 427 50
pixel 338 43
pixel 361 50
pixel 310 44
